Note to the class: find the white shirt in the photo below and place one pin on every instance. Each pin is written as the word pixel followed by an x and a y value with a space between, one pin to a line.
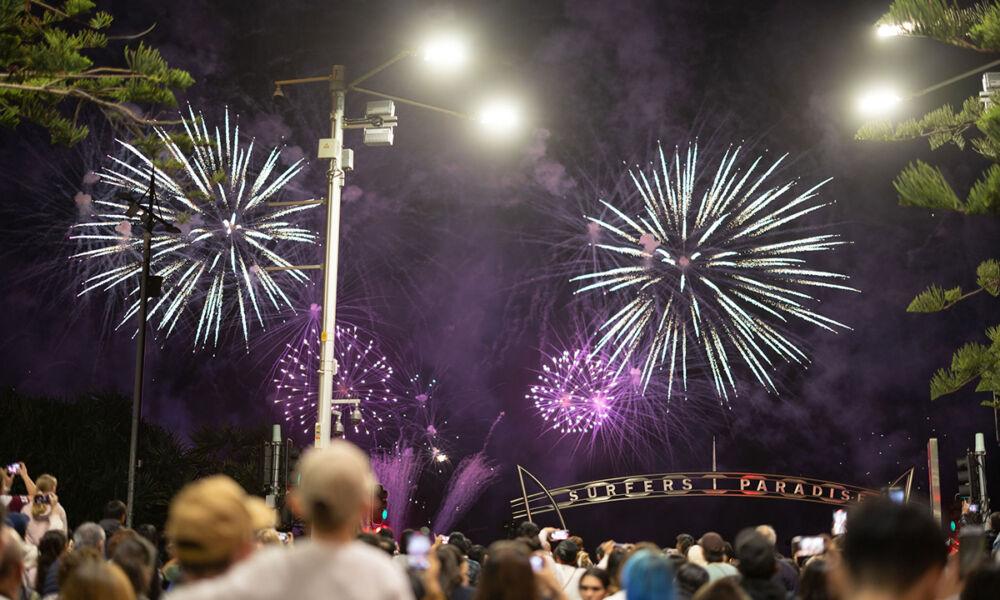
pixel 352 571
pixel 568 577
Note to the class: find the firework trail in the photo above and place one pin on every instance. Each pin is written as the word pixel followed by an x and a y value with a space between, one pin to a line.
pixel 424 423
pixel 399 473
pixel 471 478
pixel 229 233
pixel 710 270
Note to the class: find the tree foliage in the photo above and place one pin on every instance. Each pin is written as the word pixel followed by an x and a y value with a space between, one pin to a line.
pixel 47 75
pixel 85 444
pixel 975 127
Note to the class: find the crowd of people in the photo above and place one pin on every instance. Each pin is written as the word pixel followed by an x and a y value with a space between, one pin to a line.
pixel 222 543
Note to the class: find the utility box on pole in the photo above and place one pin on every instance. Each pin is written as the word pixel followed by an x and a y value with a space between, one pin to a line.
pixel 934 473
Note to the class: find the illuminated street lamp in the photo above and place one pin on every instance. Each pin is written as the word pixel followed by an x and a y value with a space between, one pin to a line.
pixel 378 124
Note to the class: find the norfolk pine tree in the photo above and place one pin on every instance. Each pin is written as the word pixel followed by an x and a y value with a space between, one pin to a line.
pixel 47 77
pixel 974 127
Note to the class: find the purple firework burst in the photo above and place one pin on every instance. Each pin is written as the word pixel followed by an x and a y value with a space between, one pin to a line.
pixel 363 373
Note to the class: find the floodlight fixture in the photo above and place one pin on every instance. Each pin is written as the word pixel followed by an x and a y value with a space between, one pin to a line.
pixel 878 101
pixel 448 52
pixel 499 117
pixel 886 30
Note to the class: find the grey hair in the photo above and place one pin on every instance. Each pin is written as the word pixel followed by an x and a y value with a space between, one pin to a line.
pixel 88 535
pixel 769 534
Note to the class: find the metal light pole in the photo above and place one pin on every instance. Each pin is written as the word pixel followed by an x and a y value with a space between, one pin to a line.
pixel 328 330
pixel 382 120
pixel 140 353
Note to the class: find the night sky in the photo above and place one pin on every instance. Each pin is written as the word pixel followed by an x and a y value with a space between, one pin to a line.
pixel 452 244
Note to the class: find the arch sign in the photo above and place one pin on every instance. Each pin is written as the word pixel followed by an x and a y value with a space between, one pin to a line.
pixel 687 484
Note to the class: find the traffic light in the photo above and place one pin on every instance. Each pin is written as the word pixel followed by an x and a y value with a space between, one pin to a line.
pixel 964 477
pixel 380 505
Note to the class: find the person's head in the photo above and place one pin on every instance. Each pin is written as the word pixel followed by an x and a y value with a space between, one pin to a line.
pixel 72 560
pixel 507 575
pixel 814 580
pixel 528 529
pixel 460 542
pixel 404 540
pixel 45 497
pixel 696 555
pixel 769 534
pixel 690 578
pixel 46 484
pixel 534 544
pixel 115 509
pixel 755 555
pixel 89 535
pixel 713 546
pixel 893 548
pixel 96 581
pixel 565 553
pixel 387 532
pixel 684 541
pixel 120 535
pixel 478 553
pixel 721 589
pixel 615 561
pixel 452 563
pixel 210 526
pixel 335 489
pixel 11 563
pixel 594 584
pixel 50 547
pixel 149 533
pixel 995 522
pixel 648 575
pixel 137 559
pixel 982 584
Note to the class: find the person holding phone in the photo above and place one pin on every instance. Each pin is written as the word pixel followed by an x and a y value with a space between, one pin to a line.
pixel 13 503
pixel 44 512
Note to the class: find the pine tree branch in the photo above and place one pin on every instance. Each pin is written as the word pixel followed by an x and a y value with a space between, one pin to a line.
pixel 115 107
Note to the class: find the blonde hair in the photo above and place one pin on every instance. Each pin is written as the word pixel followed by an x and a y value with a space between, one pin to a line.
pixel 97 581
pixel 45 484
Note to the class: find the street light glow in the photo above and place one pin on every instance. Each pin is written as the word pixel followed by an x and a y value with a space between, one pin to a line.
pixel 448 52
pixel 499 116
pixel 878 101
pixel 893 29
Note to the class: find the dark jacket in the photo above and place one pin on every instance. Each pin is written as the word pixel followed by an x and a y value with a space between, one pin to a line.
pixel 764 589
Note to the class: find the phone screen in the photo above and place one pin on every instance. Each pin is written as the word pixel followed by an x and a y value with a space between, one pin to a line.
pixel 897 496
pixel 13 468
pixel 417 549
pixel 811 546
pixel 839 522
pixel 537 564
pixel 560 534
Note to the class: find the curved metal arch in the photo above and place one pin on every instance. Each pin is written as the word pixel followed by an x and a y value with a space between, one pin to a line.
pixel 521 472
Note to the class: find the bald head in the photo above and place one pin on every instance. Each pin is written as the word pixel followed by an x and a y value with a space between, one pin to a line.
pixel 769 534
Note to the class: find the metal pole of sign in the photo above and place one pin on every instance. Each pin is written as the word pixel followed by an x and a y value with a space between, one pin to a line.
pixel 934 472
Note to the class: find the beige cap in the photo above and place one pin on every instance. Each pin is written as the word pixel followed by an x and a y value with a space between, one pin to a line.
pixel 339 477
pixel 262 516
pixel 209 521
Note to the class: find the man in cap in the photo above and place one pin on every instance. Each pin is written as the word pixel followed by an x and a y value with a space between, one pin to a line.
pixel 758 566
pixel 334 495
pixel 714 548
pixel 210 525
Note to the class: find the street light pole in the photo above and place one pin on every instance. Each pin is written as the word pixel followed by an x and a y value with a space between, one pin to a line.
pixel 328 331
pixel 140 353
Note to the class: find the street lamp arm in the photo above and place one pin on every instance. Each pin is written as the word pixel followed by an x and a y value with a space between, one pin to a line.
pixel 391 61
pixel 952 80
pixel 446 111
pixel 302 80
